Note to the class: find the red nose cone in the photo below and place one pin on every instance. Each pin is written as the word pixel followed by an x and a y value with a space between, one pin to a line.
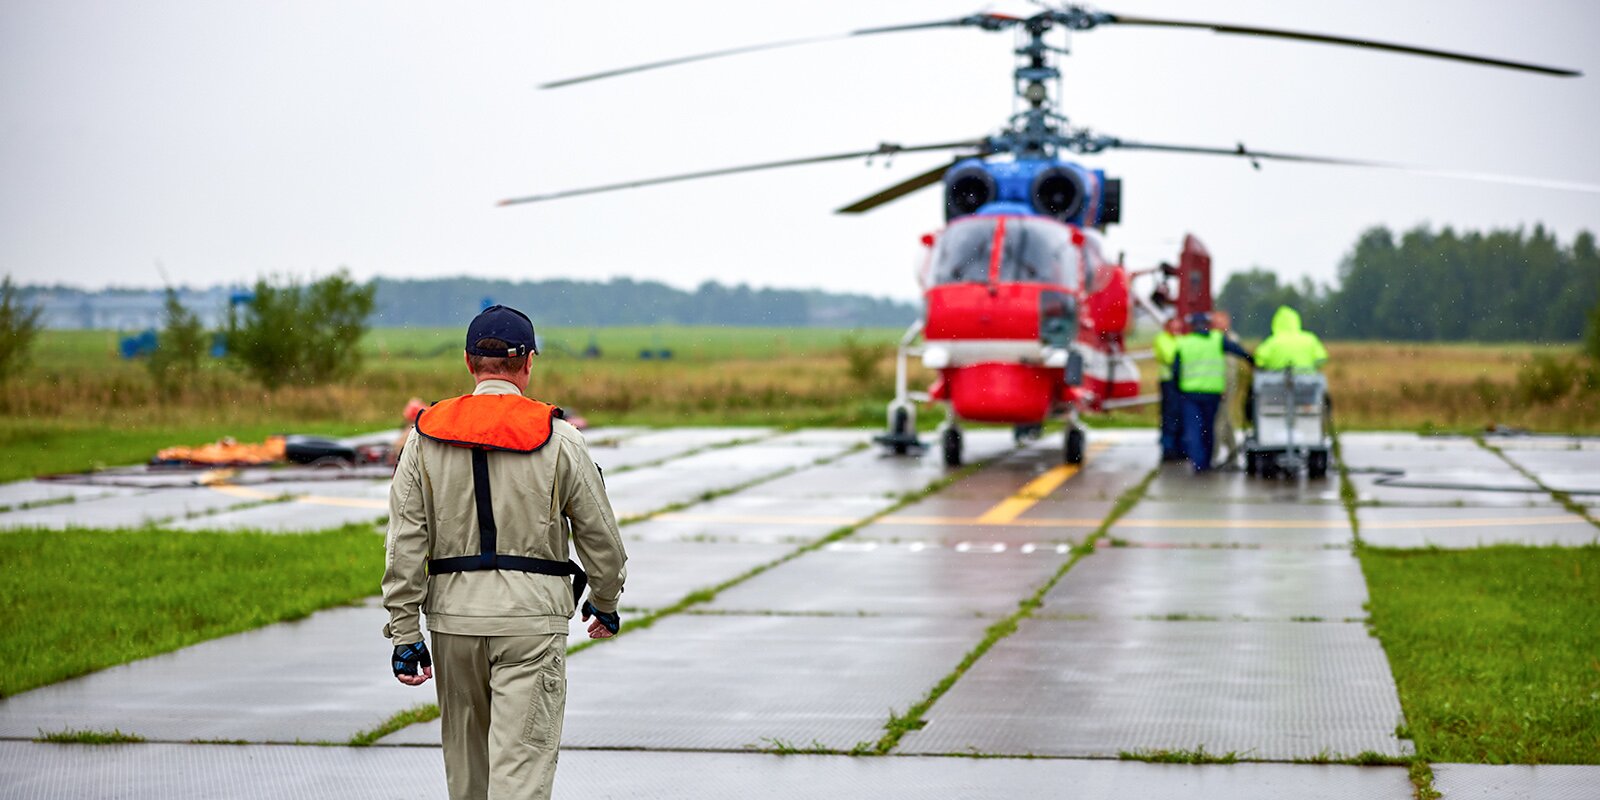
pixel 1011 393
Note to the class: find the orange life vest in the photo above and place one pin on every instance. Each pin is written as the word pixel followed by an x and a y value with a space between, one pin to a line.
pixel 508 422
pixel 484 422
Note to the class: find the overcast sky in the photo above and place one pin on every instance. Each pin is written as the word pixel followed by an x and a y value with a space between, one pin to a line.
pixel 227 140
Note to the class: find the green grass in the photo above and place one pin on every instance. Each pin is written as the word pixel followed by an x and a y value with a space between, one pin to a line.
pixel 72 736
pixel 1496 651
pixel 1195 756
pixel 427 712
pixel 81 600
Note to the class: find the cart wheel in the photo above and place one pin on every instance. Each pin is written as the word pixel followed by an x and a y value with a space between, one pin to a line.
pixel 952 447
pixel 1252 463
pixel 898 430
pixel 1268 464
pixel 1072 452
pixel 1317 464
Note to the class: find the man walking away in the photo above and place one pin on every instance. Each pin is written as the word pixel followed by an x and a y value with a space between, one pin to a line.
pixel 483 498
pixel 1166 351
pixel 1201 372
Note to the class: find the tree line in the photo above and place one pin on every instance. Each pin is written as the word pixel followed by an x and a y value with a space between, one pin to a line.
pixel 1427 285
pixel 622 301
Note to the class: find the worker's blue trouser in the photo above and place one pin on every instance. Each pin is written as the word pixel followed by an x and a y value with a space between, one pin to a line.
pixel 1199 431
pixel 1171 422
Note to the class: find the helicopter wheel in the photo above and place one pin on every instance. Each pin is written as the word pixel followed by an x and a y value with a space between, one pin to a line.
pixel 1317 464
pixel 1072 452
pixel 899 429
pixel 952 446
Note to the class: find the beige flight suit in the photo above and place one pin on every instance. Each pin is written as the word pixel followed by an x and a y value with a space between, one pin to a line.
pixel 499 636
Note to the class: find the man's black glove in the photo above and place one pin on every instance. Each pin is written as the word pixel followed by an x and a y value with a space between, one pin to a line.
pixel 611 619
pixel 409 657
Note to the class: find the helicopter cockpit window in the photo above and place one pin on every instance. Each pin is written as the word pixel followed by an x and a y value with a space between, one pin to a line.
pixel 1039 251
pixel 963 252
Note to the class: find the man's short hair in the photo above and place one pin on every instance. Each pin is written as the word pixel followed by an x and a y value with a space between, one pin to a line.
pixel 490 365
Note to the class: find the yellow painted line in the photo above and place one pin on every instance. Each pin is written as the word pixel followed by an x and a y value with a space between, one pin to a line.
pixel 1037 489
pixel 1084 522
pixel 309 499
pixel 1006 511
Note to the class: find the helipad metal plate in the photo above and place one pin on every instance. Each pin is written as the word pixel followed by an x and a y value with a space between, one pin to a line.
pixel 757 458
pixel 1123 583
pixel 732 682
pixel 1256 513
pixel 1408 451
pixel 323 678
pixel 131 510
pixel 193 772
pixel 1395 526
pixel 870 577
pixel 1516 782
pixel 661 573
pixel 692 526
pixel 1177 484
pixel 1222 533
pixel 833 437
pixel 687 480
pixel 20 493
pixel 1505 488
pixel 292 517
pixel 1265 690
pixel 691 438
pixel 615 461
pixel 962 532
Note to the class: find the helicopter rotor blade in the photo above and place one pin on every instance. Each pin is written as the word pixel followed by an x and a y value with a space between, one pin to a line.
pixel 885 149
pixel 898 190
pixel 987 21
pixel 1277 33
pixel 1243 152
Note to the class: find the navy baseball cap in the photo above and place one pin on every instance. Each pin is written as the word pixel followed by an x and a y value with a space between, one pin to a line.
pixel 506 324
pixel 1200 321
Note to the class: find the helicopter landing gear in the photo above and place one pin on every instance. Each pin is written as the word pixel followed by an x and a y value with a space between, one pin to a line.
pixel 950 438
pixel 1022 434
pixel 902 436
pixel 1072 448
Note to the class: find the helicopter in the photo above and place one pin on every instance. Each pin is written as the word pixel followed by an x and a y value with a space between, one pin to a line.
pixel 1025 316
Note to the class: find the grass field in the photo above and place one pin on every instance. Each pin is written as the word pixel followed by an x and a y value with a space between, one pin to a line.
pixel 79 405
pixel 81 600
pixel 1496 651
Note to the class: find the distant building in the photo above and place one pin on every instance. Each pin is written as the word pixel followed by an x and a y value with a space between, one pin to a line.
pixel 122 309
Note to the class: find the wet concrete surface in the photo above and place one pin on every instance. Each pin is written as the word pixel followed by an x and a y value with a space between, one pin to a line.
pixel 1517 782
pixel 1220 584
pixel 312 680
pixel 1226 615
pixel 201 772
pixel 1263 690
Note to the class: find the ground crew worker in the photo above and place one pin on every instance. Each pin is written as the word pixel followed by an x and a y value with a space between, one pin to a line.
pixel 1166 350
pixel 479 512
pixel 1201 372
pixel 1289 345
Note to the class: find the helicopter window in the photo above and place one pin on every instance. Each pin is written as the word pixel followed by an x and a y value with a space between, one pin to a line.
pixel 1038 251
pixel 963 252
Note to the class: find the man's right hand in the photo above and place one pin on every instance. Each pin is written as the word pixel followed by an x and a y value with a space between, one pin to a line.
pixel 412 664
